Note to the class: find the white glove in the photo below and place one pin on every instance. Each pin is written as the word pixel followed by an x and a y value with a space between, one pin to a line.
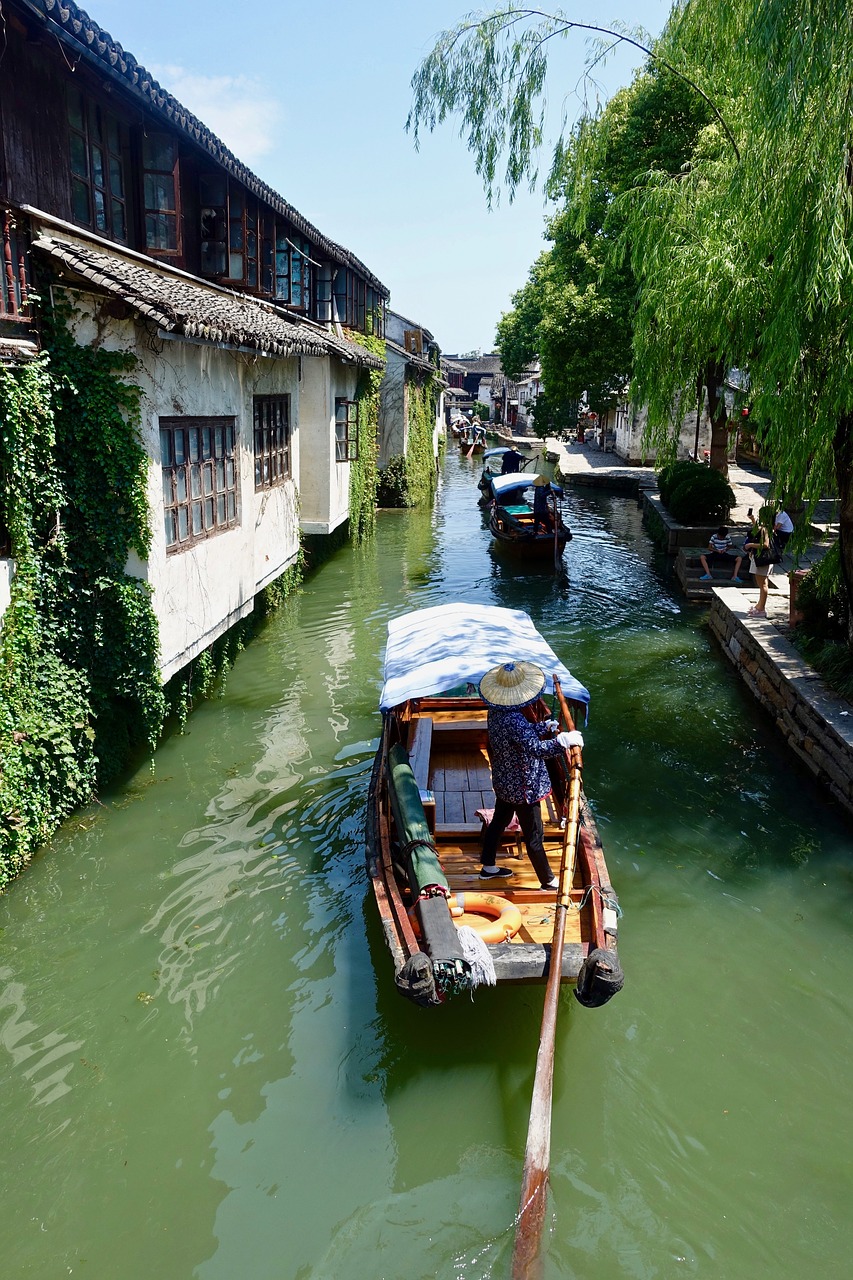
pixel 569 740
pixel 552 725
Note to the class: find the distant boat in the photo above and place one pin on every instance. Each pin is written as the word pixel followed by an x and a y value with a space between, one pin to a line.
pixel 430 794
pixel 511 519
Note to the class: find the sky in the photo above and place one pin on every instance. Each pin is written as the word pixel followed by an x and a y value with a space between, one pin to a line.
pixel 313 97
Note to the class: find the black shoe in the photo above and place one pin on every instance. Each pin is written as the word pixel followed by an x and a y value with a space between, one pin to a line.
pixel 550 888
pixel 502 873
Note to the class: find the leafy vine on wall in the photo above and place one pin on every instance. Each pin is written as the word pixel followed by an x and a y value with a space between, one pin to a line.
pixel 420 459
pixel 364 472
pixel 79 677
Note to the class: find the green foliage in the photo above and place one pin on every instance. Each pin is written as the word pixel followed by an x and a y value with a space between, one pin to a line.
pixel 673 474
pixel 553 416
pixel 364 472
pixel 700 495
pixel 393 490
pixel 420 459
pixel 79 678
pixel 822 601
pixel 480 410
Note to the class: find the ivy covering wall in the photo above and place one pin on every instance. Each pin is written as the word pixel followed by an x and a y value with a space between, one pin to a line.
pixel 364 472
pixel 79 678
pixel 420 460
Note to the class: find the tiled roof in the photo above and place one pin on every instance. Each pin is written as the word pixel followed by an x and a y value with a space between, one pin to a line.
pixel 482 364
pixel 16 350
pixel 180 304
pixel 75 27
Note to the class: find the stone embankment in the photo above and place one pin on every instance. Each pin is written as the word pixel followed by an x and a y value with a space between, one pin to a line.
pixel 816 724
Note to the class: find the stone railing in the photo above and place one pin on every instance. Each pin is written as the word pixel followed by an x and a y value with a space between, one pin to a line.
pixel 815 722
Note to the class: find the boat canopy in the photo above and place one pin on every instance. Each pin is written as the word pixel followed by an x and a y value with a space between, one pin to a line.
pixel 432 651
pixel 493 453
pixel 519 480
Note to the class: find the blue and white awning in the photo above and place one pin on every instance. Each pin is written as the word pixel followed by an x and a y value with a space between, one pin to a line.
pixel 431 651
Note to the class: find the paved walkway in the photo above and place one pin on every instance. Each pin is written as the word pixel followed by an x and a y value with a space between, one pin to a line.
pixel 751 487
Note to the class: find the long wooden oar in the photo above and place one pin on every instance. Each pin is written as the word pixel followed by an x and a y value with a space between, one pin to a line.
pixel 526 1254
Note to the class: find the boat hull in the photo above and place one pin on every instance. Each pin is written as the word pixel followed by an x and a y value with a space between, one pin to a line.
pixel 445 744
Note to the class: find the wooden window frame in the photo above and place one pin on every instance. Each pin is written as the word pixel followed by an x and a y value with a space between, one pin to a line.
pixel 98 140
pixel 201 479
pixel 346 441
pixel 167 213
pixel 272 434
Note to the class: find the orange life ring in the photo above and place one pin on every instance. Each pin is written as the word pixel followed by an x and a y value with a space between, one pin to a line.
pixel 504 918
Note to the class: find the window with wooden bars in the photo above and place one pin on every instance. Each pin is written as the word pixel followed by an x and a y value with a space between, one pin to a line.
pixel 293 274
pixel 272 440
pixel 98 143
pixel 200 495
pixel 346 430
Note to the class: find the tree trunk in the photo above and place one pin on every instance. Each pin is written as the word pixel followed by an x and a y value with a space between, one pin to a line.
pixel 714 375
pixel 843 449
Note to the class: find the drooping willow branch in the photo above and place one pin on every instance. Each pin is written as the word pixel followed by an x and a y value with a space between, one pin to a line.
pixel 452 78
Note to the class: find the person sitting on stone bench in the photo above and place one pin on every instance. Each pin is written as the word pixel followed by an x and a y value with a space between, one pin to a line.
pixel 720 552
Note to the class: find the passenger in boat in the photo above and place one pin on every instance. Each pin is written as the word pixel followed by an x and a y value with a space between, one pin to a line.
pixel 511 462
pixel 543 517
pixel 720 551
pixel 519 750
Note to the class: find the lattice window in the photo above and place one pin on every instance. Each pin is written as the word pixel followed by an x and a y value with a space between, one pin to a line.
pixel 200 495
pixel 272 440
pixel 346 430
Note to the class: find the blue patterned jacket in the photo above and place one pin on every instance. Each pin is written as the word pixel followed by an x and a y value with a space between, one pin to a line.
pixel 518 751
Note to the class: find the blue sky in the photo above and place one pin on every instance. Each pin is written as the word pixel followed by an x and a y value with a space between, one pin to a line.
pixel 314 98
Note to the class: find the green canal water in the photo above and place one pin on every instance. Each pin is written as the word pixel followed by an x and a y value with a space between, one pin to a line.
pixel 207 1072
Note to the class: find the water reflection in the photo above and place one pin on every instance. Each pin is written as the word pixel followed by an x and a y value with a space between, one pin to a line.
pixel 195 979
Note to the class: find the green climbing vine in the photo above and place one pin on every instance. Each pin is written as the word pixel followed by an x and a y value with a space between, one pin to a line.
pixel 364 472
pixel 420 459
pixel 79 678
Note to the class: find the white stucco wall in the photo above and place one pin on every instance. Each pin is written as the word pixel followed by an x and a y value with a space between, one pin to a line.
pixel 200 592
pixel 393 409
pixel 7 573
pixel 323 482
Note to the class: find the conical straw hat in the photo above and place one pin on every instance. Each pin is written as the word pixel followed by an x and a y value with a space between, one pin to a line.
pixel 513 684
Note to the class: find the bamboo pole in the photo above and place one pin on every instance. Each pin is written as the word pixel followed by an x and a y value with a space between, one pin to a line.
pixel 530 1220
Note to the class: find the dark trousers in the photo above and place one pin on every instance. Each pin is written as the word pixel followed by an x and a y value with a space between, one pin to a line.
pixel 530 821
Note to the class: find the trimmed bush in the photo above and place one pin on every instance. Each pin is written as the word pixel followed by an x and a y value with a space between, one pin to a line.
pixel 701 497
pixel 671 476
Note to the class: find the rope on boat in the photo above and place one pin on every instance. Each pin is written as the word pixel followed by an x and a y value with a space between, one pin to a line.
pixel 479 957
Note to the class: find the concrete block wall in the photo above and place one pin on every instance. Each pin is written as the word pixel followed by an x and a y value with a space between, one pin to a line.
pixel 815 722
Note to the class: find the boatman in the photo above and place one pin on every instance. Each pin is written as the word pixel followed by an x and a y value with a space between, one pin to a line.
pixel 518 750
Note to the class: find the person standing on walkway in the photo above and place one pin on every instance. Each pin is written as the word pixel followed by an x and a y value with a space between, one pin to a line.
pixel 518 749
pixel 760 560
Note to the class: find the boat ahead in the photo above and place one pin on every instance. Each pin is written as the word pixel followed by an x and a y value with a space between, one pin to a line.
pixel 513 521
pixel 430 800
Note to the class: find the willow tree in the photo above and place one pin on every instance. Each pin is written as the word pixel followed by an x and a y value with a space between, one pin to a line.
pixel 744 257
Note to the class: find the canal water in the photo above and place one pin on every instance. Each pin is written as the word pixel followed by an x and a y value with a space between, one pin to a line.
pixel 207 1072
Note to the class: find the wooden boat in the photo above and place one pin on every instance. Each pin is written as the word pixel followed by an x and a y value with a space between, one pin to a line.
pixel 511 520
pixel 431 783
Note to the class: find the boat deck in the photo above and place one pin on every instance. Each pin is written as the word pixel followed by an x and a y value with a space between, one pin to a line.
pixel 450 760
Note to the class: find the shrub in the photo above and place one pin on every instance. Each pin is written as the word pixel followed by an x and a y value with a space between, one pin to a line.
pixel 672 475
pixel 702 496
pixel 393 488
pixel 822 602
